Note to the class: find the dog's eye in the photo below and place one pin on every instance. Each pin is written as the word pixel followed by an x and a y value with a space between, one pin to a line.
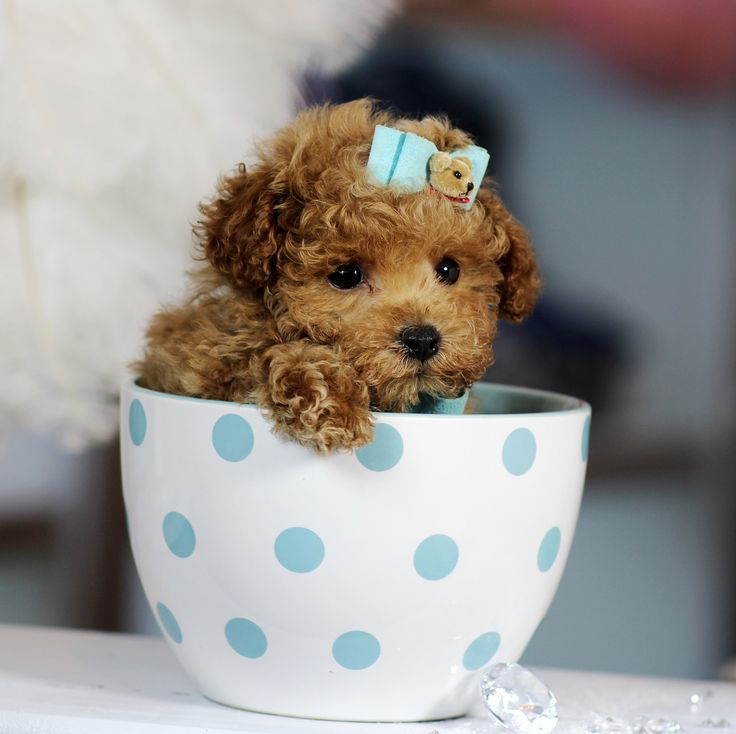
pixel 346 276
pixel 448 271
pixel 458 174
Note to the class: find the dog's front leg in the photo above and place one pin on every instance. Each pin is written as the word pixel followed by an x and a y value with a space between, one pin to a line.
pixel 313 396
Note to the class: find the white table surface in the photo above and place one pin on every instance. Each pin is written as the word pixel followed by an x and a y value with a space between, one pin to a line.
pixel 72 682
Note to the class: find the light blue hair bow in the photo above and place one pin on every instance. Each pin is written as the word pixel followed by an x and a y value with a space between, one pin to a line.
pixel 401 159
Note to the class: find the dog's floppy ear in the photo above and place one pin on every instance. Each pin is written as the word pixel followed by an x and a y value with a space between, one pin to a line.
pixel 521 284
pixel 239 230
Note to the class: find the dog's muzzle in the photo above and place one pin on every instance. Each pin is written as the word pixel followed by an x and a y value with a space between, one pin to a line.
pixel 420 342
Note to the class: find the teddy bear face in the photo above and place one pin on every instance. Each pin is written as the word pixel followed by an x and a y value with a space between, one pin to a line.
pixel 451 177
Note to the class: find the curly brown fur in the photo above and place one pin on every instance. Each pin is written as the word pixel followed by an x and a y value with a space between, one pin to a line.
pixel 265 325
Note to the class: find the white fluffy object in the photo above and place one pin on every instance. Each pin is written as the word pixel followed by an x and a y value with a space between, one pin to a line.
pixel 115 119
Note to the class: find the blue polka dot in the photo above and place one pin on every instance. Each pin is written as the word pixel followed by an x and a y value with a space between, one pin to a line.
pixel 519 451
pixel 169 623
pixel 436 557
pixel 179 535
pixel 246 637
pixel 585 440
pixel 137 422
pixel 481 650
pixel 232 437
pixel 356 650
pixel 548 549
pixel 299 550
pixel 384 452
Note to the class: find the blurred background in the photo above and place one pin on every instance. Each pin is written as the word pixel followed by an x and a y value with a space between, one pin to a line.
pixel 612 133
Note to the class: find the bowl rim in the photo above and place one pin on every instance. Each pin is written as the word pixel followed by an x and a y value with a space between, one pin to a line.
pixel 568 405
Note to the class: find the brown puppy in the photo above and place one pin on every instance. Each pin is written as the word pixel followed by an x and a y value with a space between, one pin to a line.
pixel 323 295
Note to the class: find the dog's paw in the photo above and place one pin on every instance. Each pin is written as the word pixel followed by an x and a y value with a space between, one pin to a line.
pixel 315 398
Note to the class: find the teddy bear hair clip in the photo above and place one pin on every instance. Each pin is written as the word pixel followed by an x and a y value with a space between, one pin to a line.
pixel 411 163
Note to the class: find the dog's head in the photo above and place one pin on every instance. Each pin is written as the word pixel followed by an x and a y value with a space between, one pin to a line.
pixel 408 286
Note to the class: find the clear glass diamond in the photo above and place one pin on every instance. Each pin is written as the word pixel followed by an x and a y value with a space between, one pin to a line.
pixel 637 726
pixel 663 726
pixel 518 700
pixel 698 699
pixel 609 725
pixel 711 724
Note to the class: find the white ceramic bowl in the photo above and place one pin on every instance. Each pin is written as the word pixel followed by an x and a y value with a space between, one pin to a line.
pixel 371 586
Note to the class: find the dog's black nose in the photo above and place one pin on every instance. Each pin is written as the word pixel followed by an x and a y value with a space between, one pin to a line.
pixel 421 342
pixel 471 186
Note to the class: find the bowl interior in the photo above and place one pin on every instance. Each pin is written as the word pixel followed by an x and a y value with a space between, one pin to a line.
pixel 488 399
